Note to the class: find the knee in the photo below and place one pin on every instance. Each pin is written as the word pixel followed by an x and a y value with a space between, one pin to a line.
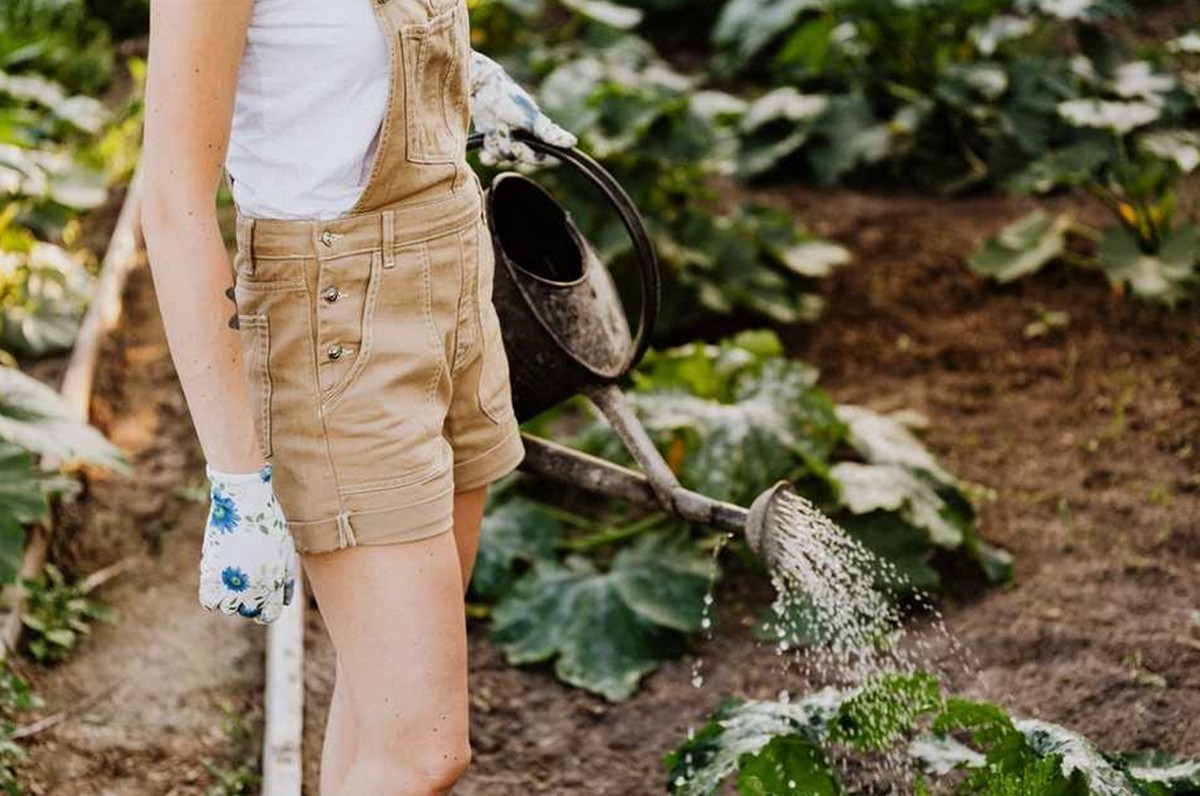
pixel 432 771
pixel 442 768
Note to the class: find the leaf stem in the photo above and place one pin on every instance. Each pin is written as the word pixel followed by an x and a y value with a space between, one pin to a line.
pixel 610 536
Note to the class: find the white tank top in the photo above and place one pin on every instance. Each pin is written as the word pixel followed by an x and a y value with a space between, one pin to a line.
pixel 311 97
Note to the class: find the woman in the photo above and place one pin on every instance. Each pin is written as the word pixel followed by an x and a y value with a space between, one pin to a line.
pixel 352 401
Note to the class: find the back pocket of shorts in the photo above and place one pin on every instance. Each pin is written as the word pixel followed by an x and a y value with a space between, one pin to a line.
pixel 436 57
pixel 256 349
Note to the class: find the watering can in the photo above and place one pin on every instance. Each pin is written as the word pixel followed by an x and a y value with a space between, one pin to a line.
pixel 566 332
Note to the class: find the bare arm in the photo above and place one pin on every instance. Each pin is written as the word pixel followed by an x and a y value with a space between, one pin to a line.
pixel 195 50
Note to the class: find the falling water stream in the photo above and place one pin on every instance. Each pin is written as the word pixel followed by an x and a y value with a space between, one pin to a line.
pixel 833 618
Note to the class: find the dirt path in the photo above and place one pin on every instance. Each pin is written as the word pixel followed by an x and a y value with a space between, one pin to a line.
pixel 167 687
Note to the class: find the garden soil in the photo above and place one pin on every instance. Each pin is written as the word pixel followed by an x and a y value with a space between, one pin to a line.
pixel 1085 441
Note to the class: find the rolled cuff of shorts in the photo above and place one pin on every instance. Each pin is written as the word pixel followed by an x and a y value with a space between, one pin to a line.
pixel 404 514
pixel 496 462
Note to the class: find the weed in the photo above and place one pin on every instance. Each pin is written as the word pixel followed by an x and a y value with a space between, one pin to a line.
pixel 57 614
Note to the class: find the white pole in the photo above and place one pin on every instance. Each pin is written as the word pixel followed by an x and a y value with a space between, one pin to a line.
pixel 283 760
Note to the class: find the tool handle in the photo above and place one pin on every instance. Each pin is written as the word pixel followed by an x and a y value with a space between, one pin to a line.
pixel 649 282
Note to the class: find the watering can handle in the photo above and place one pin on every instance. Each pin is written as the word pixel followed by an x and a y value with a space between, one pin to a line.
pixel 630 217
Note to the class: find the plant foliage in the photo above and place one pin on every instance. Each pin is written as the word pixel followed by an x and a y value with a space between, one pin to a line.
pixel 906 715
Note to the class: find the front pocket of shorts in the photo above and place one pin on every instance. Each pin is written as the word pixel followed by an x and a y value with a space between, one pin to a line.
pixel 256 349
pixel 346 296
pixel 436 59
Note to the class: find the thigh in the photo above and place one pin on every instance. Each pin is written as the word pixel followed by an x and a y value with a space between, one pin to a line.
pixel 395 615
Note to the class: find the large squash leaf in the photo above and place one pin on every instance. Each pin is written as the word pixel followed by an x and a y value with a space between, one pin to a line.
pixel 1167 277
pixel 606 628
pixel 866 488
pixel 1077 756
pixel 1165 774
pixel 756 418
pixel 36 418
pixel 782 747
pixel 516 531
pixel 1023 247
pixel 740 732
pixel 901 477
pixel 746 27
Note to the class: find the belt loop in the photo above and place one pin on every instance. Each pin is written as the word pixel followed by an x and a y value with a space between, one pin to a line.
pixel 389 238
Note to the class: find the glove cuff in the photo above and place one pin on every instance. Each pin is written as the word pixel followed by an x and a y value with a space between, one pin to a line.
pixel 216 477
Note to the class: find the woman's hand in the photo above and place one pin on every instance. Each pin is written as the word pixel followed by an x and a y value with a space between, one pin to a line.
pixel 499 106
pixel 248 563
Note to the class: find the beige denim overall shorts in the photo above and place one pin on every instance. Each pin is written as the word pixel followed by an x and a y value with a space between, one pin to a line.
pixel 370 341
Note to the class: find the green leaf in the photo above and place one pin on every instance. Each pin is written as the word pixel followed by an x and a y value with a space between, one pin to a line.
pixel 12 547
pixel 745 27
pixel 21 494
pixel 776 125
pixel 36 418
pixel 940 755
pixel 789 764
pixel 1022 247
pixel 62 636
pixel 516 531
pixel 1077 164
pixel 885 710
pixel 881 439
pixel 1118 117
pixel 1077 755
pixel 1181 147
pixel 900 543
pixel 606 629
pixel 866 488
pixel 85 113
pixel 1167 277
pixel 611 14
pixel 776 425
pixel 738 730
pixel 815 258
pixel 1165 773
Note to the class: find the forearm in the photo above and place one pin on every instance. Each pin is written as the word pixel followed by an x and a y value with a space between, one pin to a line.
pixel 191 276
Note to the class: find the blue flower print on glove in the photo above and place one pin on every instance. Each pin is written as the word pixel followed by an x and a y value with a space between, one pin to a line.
pixel 248 561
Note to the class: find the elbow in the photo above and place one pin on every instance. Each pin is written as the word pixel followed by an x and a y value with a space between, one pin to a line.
pixel 170 214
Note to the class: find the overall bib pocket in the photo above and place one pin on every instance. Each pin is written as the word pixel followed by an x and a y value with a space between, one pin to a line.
pixel 436 59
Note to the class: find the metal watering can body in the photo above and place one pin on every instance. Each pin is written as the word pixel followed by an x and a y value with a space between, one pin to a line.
pixel 566 332
pixel 564 326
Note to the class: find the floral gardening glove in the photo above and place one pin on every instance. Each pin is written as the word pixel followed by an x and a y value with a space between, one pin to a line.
pixel 248 562
pixel 499 106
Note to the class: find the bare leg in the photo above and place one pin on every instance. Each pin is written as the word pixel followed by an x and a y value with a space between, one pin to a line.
pixel 395 614
pixel 468 514
pixel 341 735
pixel 341 730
